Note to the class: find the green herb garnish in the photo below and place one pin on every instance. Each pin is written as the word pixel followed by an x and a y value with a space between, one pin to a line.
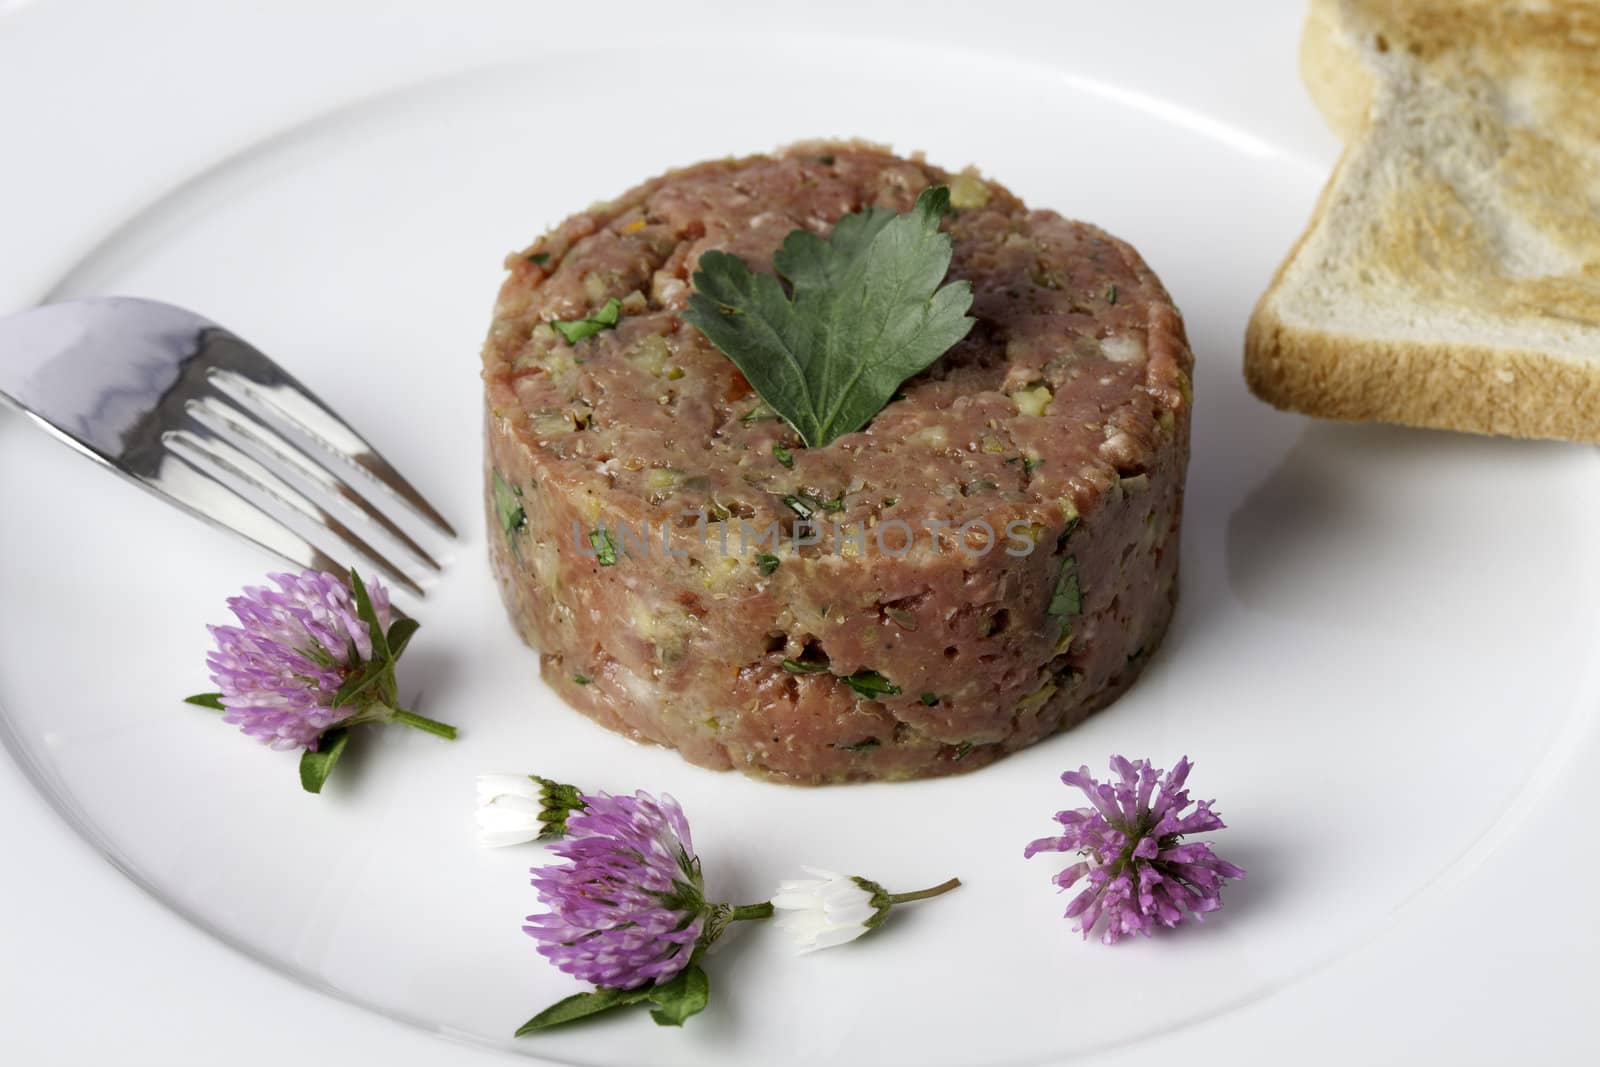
pixel 604 319
pixel 1067 600
pixel 929 699
pixel 508 508
pixel 784 455
pixel 582 679
pixel 870 684
pixel 605 549
pixel 541 258
pixel 795 666
pixel 766 562
pixel 864 310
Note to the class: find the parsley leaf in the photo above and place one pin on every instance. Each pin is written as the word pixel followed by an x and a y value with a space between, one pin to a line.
pixel 864 311
pixel 578 329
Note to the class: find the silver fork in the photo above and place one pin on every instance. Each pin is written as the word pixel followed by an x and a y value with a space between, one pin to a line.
pixel 186 409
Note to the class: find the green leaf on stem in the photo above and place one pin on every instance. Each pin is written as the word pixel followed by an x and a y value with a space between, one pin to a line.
pixel 316 766
pixel 400 634
pixel 581 1006
pixel 685 995
pixel 369 615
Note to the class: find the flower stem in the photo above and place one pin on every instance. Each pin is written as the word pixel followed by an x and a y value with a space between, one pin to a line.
pixel 751 911
pixel 426 725
pixel 924 894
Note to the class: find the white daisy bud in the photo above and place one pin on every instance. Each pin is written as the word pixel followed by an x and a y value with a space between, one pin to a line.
pixel 517 808
pixel 826 909
pixel 829 909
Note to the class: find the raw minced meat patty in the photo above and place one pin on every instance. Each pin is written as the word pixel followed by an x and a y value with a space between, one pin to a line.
pixel 895 647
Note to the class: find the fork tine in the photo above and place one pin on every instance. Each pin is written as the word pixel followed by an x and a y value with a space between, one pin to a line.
pixel 268 384
pixel 202 496
pixel 222 416
pixel 202 447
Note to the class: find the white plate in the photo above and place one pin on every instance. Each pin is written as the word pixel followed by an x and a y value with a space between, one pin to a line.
pixel 1380 662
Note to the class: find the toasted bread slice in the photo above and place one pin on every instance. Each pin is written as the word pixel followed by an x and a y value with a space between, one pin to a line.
pixel 1450 275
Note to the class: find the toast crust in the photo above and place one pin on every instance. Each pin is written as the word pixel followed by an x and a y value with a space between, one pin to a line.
pixel 1340 84
pixel 1450 274
pixel 1443 386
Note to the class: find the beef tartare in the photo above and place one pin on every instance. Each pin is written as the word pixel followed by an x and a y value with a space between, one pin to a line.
pixel 991 559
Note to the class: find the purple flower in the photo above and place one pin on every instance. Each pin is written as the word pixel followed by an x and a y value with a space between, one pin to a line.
pixel 629 907
pixel 295 646
pixel 309 658
pixel 1139 872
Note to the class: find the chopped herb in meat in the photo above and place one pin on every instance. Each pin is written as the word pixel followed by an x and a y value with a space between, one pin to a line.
pixel 766 562
pixel 541 258
pixel 784 455
pixel 871 684
pixel 1067 600
pixel 929 699
pixel 605 548
pixel 582 679
pixel 604 319
pixel 508 508
pixel 794 666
